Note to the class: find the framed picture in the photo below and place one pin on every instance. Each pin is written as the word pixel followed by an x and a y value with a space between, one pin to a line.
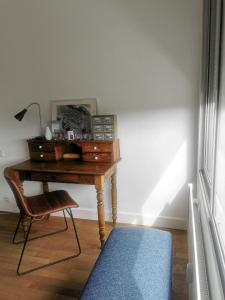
pixel 75 115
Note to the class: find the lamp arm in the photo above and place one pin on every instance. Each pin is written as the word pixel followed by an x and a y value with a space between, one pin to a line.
pixel 39 111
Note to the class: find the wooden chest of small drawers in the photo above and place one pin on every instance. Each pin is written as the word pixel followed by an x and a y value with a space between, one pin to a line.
pixel 45 150
pixel 91 151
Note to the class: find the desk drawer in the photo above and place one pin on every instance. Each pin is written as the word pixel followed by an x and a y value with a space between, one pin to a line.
pixel 45 150
pixel 41 147
pixel 43 156
pixel 98 157
pixel 66 178
pixel 97 147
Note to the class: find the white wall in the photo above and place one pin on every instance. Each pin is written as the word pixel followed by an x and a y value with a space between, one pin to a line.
pixel 140 59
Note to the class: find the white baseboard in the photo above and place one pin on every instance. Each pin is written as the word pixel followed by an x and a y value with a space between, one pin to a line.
pixel 151 220
pixel 129 218
pixel 133 218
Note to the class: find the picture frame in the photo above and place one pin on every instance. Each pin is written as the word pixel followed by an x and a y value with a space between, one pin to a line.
pixel 75 114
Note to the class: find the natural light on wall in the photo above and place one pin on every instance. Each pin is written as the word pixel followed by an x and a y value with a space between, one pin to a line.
pixel 168 186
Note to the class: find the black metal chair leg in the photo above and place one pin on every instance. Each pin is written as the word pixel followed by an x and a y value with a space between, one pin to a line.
pixel 75 230
pixel 17 228
pixel 24 246
pixel 65 220
pixel 54 262
pixel 39 236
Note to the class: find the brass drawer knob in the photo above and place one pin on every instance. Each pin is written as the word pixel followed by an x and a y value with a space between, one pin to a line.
pixel 40 146
pixel 95 148
pixel 96 157
pixel 41 155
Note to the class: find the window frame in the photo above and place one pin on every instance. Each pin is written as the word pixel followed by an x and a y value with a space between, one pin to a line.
pixel 210 93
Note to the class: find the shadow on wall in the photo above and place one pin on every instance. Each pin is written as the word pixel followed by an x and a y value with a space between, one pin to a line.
pixel 172 48
pixel 165 18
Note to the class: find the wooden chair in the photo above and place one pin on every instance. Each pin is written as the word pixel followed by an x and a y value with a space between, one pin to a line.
pixel 37 207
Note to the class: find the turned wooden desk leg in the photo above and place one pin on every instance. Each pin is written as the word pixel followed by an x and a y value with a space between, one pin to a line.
pixel 114 197
pixel 99 185
pixel 45 190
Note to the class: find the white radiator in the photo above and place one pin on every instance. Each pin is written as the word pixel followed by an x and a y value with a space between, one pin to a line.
pixel 196 268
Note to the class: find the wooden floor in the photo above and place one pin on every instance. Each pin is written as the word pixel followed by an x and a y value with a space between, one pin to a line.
pixel 65 280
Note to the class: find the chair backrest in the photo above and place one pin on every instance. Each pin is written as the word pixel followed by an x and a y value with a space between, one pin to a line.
pixel 16 186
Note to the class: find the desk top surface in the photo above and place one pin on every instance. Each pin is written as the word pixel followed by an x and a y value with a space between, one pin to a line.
pixel 62 166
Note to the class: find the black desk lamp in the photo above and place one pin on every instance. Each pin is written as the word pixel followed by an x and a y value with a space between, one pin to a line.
pixel 20 115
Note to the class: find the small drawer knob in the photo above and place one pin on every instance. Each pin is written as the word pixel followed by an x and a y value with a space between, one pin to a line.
pixel 96 157
pixel 40 146
pixel 41 155
pixel 95 148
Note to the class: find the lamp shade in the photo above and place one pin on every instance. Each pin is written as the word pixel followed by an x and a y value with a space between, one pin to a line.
pixel 19 116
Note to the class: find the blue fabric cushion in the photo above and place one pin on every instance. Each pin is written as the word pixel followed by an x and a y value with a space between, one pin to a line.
pixel 135 264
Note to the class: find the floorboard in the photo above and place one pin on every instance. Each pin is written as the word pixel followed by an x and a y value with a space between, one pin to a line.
pixel 66 280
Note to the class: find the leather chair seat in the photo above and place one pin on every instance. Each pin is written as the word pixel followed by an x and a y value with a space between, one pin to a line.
pixel 50 202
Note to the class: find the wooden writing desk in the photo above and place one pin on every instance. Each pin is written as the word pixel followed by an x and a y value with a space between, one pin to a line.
pixel 75 172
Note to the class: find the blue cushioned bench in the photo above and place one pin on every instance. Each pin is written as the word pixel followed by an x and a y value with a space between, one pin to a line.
pixel 135 264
